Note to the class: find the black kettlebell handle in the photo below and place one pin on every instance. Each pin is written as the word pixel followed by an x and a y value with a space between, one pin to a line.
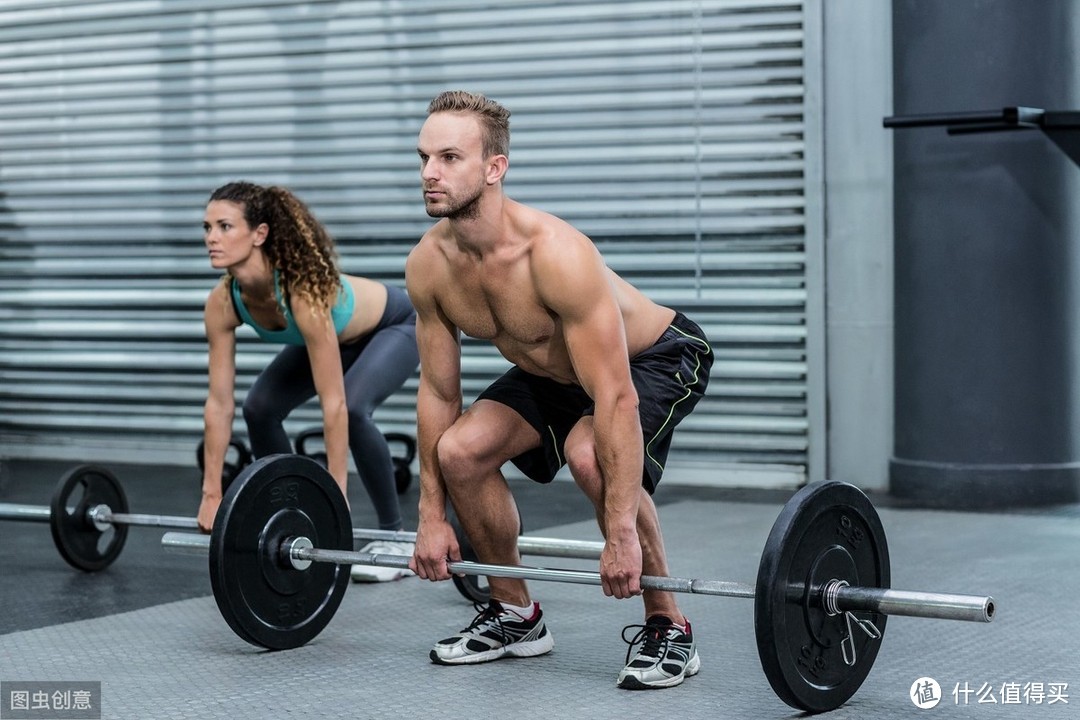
pixel 408 441
pixel 243 456
pixel 304 436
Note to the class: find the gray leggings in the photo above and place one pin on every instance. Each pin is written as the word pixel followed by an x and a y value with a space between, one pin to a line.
pixel 375 367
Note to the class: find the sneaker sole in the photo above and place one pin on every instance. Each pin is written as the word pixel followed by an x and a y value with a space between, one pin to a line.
pixel 531 648
pixel 632 682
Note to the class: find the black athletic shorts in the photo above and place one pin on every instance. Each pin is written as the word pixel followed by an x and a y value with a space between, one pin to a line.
pixel 670 377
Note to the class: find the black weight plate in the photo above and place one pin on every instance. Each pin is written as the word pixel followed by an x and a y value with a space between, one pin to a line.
pixel 262 597
pixel 828 530
pixel 80 543
pixel 473 587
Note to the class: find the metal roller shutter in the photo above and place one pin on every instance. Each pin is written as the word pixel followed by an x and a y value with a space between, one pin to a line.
pixel 673 133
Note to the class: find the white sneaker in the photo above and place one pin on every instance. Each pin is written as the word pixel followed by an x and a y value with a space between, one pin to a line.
pixel 374 573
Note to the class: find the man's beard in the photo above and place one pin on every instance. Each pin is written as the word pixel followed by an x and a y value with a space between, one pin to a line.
pixel 466 210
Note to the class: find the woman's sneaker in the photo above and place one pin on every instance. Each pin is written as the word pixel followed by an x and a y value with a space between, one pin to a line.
pixel 494 633
pixel 668 655
pixel 375 573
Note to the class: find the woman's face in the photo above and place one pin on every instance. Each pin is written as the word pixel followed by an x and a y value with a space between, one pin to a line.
pixel 228 237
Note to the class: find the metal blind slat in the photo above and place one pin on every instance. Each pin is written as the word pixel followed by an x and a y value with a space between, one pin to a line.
pixel 670 132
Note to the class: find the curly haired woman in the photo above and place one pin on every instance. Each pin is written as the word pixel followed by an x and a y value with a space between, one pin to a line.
pixel 349 340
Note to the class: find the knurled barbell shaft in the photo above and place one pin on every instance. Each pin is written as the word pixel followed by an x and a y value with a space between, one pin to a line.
pixel 99 514
pixel 971 608
pixel 102 515
pixel 527 544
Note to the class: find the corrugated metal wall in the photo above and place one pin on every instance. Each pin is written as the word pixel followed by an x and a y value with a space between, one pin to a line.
pixel 671 132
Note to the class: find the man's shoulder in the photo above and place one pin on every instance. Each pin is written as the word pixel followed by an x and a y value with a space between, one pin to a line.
pixel 428 245
pixel 550 238
pixel 424 264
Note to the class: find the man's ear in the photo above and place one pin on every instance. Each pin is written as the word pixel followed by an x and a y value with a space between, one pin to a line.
pixel 497 167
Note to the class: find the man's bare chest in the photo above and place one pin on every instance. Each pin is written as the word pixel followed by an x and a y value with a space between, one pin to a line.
pixel 501 313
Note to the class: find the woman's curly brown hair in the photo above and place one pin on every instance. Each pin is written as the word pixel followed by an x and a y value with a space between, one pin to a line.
pixel 297 245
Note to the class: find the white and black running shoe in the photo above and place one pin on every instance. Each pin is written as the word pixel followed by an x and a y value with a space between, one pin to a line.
pixel 668 655
pixel 495 633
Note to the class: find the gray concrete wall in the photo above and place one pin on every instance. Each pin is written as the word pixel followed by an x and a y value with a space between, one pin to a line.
pixel 987 378
pixel 857 60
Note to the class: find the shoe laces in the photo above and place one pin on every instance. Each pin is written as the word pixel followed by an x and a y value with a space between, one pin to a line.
pixel 488 617
pixel 652 636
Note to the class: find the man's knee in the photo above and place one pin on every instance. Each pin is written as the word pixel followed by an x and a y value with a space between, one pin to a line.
pixel 581 457
pixel 458 457
pixel 584 467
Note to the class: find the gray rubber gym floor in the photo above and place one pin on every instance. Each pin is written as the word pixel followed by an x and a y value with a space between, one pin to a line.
pixel 148 629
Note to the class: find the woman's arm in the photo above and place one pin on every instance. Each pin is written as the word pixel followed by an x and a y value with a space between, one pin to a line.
pixel 328 376
pixel 220 322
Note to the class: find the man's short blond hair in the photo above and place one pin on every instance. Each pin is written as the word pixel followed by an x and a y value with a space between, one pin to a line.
pixel 494 118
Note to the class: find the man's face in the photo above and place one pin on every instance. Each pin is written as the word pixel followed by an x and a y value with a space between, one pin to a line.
pixel 452 165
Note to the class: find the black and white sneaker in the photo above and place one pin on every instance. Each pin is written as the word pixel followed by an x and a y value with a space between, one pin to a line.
pixel 668 655
pixel 494 633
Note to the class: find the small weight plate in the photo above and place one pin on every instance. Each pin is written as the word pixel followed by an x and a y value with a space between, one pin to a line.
pixel 263 598
pixel 80 543
pixel 828 530
pixel 473 588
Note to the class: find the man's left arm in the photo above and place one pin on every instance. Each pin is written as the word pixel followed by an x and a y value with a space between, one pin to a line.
pixel 574 282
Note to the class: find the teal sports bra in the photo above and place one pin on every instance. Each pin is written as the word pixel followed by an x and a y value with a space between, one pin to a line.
pixel 340 314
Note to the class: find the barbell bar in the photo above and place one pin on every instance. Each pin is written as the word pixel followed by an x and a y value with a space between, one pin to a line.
pixel 527 544
pixel 282 544
pixel 101 516
pixel 942 606
pixel 88 516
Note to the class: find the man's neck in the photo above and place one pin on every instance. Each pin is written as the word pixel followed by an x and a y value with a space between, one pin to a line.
pixel 486 231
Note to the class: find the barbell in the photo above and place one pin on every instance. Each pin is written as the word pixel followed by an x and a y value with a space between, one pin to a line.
pixel 281 547
pixel 89 519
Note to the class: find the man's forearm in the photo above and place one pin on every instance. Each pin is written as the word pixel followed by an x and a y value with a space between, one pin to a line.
pixel 620 454
pixel 433 416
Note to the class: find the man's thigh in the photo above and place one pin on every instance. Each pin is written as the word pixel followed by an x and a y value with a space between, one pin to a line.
pixel 494 432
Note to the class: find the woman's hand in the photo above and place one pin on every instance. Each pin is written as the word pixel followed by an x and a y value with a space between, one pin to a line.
pixel 207 510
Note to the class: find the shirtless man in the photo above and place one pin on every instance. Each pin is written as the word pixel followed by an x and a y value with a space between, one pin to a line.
pixel 601 376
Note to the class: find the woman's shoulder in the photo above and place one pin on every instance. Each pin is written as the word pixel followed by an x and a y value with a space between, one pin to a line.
pixel 221 292
pixel 219 305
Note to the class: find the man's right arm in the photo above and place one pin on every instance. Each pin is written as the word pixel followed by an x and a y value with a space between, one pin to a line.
pixel 438 406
